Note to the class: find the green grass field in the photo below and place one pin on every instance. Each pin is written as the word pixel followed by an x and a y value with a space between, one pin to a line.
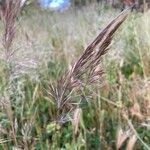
pixel 111 114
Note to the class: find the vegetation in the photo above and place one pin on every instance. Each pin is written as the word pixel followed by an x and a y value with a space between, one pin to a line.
pixel 38 47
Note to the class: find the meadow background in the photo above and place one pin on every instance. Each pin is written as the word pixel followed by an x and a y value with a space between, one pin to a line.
pixel 111 114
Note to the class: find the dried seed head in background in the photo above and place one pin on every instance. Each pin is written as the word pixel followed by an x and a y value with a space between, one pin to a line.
pixel 8 12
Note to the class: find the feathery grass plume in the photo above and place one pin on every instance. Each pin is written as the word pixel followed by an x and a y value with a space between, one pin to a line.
pixel 8 13
pixel 86 70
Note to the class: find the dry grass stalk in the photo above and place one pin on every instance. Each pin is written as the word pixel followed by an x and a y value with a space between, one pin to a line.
pixel 76 119
pixel 135 111
pixel 131 142
pixel 86 70
pixel 8 13
pixel 121 138
pixel 6 104
pixel 134 132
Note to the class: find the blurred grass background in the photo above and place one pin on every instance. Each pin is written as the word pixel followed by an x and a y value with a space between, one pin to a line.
pixel 46 44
